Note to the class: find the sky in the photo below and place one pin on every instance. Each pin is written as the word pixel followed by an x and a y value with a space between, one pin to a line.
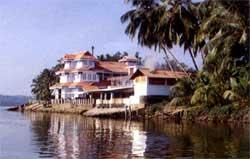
pixel 34 34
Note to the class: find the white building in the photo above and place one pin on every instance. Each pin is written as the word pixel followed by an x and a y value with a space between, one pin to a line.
pixel 82 72
pixel 109 83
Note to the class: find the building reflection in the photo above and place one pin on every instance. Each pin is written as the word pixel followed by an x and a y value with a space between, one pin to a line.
pixel 79 137
pixel 72 136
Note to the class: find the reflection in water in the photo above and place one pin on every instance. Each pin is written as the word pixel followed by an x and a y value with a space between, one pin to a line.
pixel 72 136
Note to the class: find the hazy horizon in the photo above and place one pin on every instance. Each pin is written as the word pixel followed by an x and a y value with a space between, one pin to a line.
pixel 35 34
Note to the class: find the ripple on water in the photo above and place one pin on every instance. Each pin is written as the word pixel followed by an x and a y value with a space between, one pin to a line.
pixel 71 136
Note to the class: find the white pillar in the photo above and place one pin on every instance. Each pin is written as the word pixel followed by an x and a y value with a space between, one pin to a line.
pixel 90 99
pixel 105 98
pixel 111 99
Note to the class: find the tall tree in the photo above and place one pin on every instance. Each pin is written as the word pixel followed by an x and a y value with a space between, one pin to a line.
pixel 40 85
pixel 219 30
pixel 162 24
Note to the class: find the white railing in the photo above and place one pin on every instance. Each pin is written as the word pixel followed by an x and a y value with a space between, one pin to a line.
pixel 114 101
pixel 73 101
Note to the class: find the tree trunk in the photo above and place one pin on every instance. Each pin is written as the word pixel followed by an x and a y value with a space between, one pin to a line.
pixel 180 65
pixel 166 54
pixel 192 56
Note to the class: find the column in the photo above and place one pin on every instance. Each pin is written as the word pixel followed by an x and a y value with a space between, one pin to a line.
pixel 105 98
pixel 101 98
pixel 90 99
pixel 111 99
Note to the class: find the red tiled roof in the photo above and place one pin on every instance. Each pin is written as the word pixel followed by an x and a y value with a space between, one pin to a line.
pixel 84 85
pixel 112 66
pixel 159 74
pixel 80 55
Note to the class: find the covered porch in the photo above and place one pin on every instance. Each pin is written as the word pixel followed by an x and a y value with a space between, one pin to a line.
pixel 112 97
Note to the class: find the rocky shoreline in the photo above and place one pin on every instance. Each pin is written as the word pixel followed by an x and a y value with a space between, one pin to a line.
pixel 198 113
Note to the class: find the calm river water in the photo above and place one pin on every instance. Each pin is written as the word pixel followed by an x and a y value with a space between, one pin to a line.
pixel 39 135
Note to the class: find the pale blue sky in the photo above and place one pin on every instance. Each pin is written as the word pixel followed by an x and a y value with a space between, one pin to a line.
pixel 34 34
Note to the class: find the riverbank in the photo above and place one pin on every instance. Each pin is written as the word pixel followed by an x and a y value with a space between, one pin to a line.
pixel 56 108
pixel 83 109
pixel 224 114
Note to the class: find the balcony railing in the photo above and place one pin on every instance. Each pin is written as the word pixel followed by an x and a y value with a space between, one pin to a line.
pixel 121 81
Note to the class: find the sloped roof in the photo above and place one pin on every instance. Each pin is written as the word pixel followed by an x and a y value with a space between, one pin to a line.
pixel 87 86
pixel 79 55
pixel 158 74
pixel 112 66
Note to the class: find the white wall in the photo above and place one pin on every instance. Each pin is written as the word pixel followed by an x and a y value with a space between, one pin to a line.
pixel 63 78
pixel 67 65
pixel 78 77
pixel 79 64
pixel 145 89
pixel 140 89
pixel 85 63
pixel 70 92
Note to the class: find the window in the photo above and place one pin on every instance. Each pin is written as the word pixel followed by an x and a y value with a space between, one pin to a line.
pixel 157 81
pixel 73 64
pixel 71 77
pixel 84 76
pixel 171 82
pixel 90 63
pixel 94 77
pixel 89 76
pixel 85 62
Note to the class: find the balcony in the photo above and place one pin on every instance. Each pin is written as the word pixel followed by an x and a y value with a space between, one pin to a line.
pixel 121 81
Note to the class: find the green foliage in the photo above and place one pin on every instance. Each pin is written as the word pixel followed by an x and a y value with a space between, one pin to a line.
pixel 40 85
pixel 218 30
pixel 181 92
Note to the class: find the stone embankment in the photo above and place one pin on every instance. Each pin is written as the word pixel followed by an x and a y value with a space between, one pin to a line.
pixel 57 108
pixel 123 111
pixel 83 109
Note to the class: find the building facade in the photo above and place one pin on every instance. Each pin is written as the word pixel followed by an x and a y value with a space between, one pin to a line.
pixel 111 84
pixel 83 72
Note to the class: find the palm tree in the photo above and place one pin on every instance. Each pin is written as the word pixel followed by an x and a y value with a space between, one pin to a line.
pixel 163 24
pixel 219 30
pixel 40 85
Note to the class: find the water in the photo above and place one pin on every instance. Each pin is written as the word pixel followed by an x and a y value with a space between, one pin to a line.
pixel 39 135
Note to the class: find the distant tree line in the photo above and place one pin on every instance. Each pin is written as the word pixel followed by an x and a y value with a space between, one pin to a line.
pixel 9 100
pixel 117 56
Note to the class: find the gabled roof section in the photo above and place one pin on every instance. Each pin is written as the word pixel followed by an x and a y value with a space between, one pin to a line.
pixel 79 56
pixel 112 66
pixel 159 74
pixel 86 86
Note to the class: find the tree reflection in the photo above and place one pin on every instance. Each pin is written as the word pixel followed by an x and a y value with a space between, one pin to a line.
pixel 73 136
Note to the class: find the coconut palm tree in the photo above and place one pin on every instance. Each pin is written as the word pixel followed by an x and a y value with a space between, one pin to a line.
pixel 163 24
pixel 219 30
pixel 40 85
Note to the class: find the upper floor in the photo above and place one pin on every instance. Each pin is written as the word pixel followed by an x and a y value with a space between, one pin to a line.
pixel 79 60
pixel 84 66
pixel 87 60
pixel 79 77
